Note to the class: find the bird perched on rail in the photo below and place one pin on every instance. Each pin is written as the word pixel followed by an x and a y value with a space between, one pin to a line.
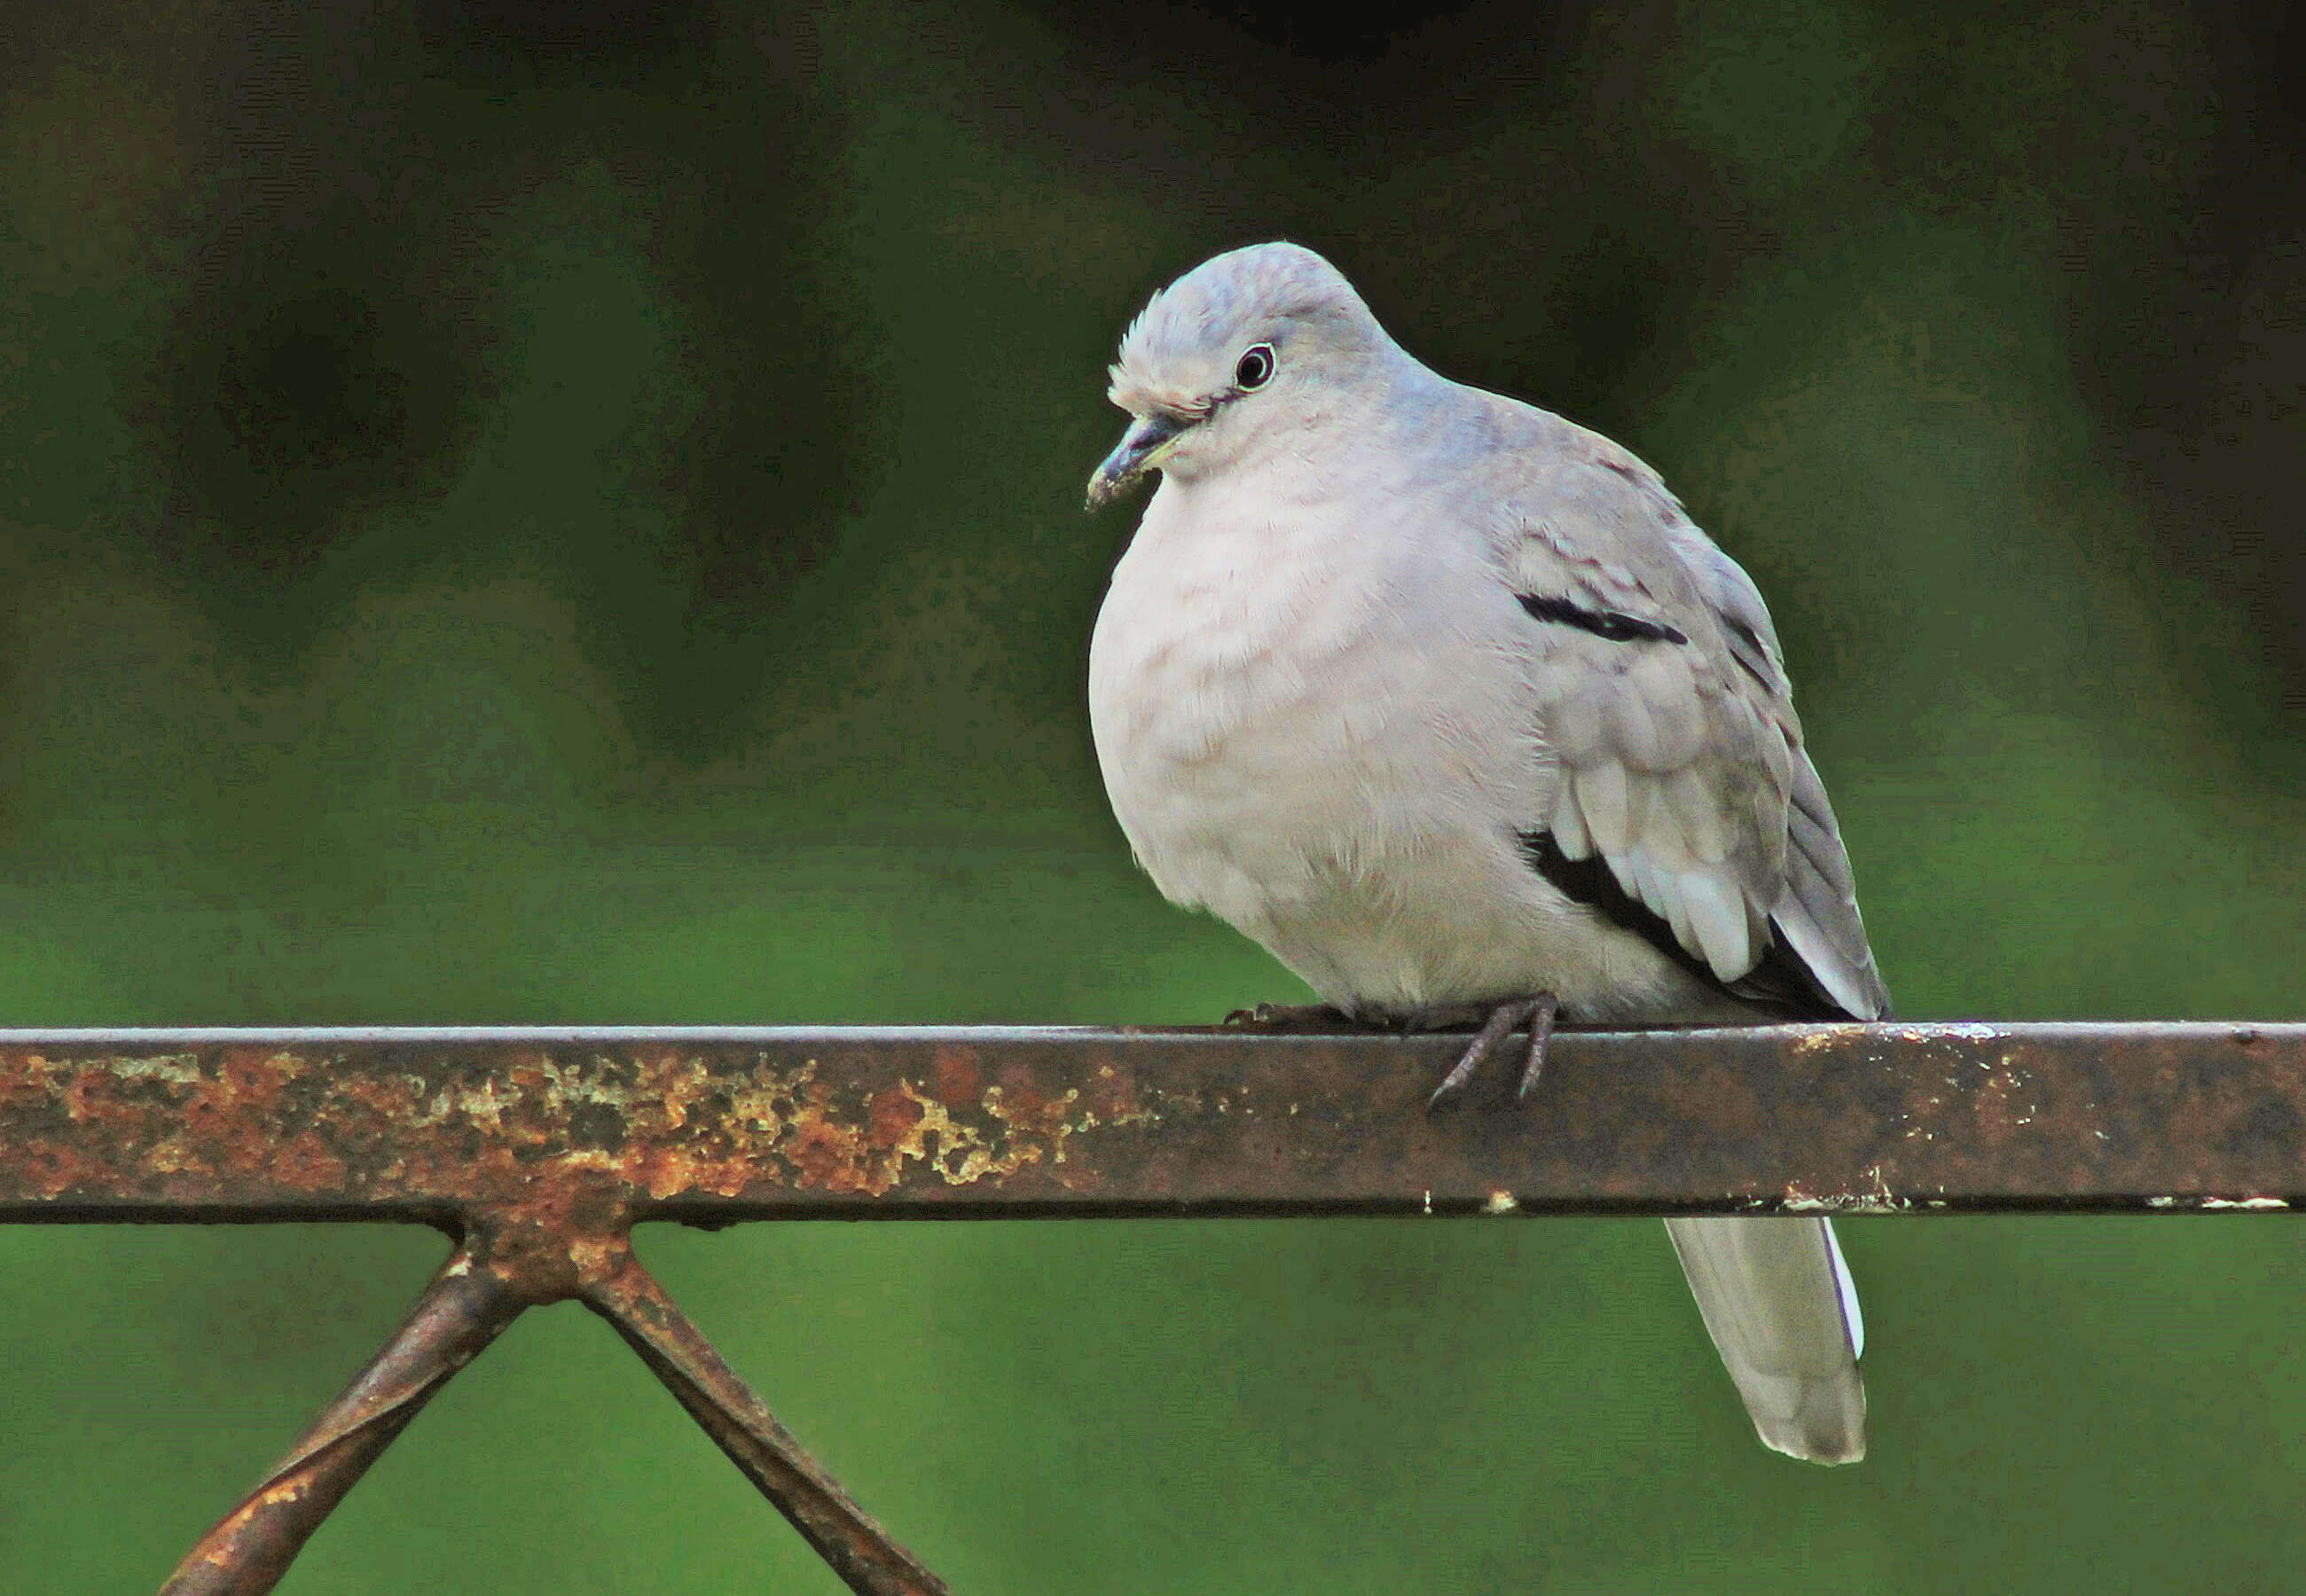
pixel 1446 702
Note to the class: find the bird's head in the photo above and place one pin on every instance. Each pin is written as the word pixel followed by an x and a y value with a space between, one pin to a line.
pixel 1247 348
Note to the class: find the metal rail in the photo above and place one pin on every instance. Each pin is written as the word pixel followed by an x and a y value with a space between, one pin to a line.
pixel 538 1149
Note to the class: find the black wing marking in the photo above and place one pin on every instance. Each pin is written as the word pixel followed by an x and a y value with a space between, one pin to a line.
pixel 1779 984
pixel 1745 648
pixel 1612 624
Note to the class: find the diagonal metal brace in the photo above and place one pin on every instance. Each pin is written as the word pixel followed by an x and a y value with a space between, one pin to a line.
pixel 504 1268
pixel 250 1547
pixel 843 1534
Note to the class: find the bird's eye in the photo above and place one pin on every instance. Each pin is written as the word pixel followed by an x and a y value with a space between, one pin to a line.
pixel 1256 367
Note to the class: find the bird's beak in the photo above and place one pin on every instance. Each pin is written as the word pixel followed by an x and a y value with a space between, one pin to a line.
pixel 1138 452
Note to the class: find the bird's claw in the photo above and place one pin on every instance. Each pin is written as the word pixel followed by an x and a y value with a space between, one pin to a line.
pixel 1497 1023
pixel 1537 1013
pixel 1291 1016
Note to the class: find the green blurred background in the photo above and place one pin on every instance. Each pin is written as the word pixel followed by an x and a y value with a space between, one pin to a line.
pixel 568 510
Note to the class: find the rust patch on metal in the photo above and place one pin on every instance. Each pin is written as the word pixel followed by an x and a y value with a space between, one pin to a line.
pixel 960 1083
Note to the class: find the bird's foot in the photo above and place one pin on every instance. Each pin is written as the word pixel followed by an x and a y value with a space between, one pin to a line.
pixel 1294 1017
pixel 1491 1023
pixel 1498 1022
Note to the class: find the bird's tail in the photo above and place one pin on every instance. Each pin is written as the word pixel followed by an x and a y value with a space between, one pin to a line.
pixel 1778 1304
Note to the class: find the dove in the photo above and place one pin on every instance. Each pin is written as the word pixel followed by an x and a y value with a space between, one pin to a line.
pixel 1446 702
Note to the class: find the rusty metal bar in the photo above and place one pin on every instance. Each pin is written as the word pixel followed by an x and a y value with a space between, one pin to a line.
pixel 714 1126
pixel 540 1149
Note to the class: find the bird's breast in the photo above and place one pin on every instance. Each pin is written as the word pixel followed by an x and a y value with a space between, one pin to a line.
pixel 1269 721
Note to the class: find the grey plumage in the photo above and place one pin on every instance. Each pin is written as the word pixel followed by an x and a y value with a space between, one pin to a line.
pixel 1444 699
pixel 1760 1284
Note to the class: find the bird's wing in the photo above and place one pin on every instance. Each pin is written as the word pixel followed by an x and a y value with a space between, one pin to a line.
pixel 1688 808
